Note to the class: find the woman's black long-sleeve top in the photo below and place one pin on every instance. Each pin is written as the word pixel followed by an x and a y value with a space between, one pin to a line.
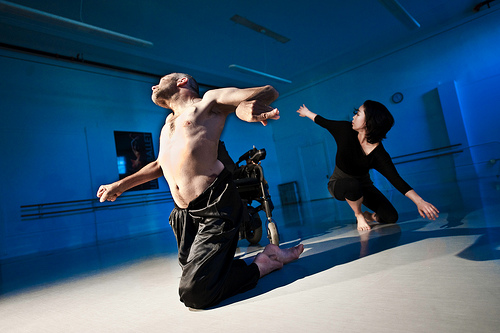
pixel 351 158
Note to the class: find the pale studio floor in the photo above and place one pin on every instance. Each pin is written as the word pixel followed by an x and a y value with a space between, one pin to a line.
pixel 416 276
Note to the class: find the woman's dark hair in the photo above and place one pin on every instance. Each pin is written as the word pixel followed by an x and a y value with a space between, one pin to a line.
pixel 378 121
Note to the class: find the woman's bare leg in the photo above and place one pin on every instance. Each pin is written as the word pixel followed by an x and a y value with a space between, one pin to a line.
pixel 356 207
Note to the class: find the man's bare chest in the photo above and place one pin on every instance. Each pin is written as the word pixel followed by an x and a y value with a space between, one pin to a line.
pixel 193 124
pixel 182 125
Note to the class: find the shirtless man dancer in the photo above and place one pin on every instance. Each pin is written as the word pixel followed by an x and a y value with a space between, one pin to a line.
pixel 208 210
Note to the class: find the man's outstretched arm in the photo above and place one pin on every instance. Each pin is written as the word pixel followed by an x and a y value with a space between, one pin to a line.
pixel 250 104
pixel 266 94
pixel 112 191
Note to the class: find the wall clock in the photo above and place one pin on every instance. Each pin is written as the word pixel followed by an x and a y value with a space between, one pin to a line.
pixel 397 97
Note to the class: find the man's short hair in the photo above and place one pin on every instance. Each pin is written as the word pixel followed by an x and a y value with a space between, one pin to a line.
pixel 191 81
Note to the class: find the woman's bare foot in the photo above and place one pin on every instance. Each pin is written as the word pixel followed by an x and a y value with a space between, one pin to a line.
pixel 273 258
pixel 362 224
pixel 369 217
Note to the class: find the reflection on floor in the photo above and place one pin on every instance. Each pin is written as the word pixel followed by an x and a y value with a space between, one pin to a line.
pixel 416 276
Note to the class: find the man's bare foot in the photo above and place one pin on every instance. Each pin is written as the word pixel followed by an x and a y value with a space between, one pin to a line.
pixel 267 264
pixel 273 258
pixel 362 224
pixel 284 255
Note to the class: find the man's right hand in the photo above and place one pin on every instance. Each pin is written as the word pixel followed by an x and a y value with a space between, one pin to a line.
pixel 256 111
pixel 108 192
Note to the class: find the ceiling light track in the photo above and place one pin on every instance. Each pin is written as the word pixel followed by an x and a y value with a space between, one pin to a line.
pixel 260 29
pixel 400 13
pixel 30 14
pixel 259 73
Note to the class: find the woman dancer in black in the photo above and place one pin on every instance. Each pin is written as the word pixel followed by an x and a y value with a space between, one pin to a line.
pixel 359 149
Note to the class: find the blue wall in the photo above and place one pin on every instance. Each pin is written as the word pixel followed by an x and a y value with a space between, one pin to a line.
pixel 57 128
pixel 465 60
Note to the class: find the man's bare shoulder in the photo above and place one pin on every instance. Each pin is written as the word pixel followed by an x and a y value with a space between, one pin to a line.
pixel 169 117
pixel 223 100
pixel 209 103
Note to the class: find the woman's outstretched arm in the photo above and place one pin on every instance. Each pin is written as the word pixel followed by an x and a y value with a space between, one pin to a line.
pixel 303 111
pixel 425 209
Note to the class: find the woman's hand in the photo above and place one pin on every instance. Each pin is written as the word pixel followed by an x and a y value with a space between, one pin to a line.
pixel 428 210
pixel 425 209
pixel 303 111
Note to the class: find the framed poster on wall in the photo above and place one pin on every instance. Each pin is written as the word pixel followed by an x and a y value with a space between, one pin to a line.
pixel 133 151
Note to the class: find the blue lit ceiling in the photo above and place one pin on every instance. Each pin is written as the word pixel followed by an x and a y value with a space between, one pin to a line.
pixel 199 37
